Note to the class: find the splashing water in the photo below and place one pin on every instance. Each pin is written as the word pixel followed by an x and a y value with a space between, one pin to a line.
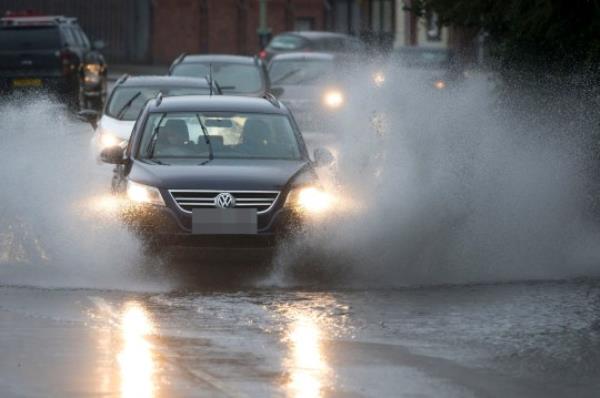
pixel 57 221
pixel 456 187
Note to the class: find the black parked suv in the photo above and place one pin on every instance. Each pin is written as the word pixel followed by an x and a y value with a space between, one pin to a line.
pixel 53 54
pixel 218 171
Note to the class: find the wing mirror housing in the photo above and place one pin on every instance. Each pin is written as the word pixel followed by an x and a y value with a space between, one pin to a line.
pixel 113 155
pixel 89 115
pixel 98 44
pixel 323 157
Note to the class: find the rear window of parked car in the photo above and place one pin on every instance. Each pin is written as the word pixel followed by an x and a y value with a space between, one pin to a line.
pixel 30 38
pixel 286 43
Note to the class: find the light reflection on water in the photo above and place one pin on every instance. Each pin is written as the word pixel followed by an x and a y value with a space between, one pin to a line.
pixel 306 363
pixel 136 360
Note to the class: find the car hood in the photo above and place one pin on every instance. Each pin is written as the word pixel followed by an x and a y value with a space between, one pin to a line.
pixel 293 94
pixel 119 128
pixel 220 174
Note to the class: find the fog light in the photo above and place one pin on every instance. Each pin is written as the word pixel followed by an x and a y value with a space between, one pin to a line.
pixel 379 79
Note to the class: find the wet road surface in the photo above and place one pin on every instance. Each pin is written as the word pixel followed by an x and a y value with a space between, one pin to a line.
pixel 518 340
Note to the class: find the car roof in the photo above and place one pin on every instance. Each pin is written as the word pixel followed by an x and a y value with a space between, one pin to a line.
pixel 304 55
pixel 204 58
pixel 316 34
pixel 161 81
pixel 217 103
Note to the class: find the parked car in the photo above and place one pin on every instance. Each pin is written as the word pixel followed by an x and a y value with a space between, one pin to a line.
pixel 234 74
pixel 311 41
pixel 218 171
pixel 53 54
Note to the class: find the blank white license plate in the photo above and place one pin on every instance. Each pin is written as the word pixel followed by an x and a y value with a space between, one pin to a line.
pixel 224 221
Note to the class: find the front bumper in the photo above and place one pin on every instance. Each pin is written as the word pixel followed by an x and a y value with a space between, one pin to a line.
pixel 164 226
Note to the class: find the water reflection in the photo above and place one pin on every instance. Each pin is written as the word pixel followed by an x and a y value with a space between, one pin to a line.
pixel 136 362
pixel 306 363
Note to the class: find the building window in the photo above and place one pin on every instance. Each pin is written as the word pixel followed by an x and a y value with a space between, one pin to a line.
pixel 304 23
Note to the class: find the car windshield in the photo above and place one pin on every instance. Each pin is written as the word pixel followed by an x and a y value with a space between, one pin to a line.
pixel 127 102
pixel 231 77
pixel 186 137
pixel 421 58
pixel 304 71
pixel 30 38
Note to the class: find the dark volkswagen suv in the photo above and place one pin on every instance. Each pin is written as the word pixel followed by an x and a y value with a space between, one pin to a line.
pixel 218 171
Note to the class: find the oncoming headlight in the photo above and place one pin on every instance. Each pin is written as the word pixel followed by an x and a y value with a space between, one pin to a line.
pixel 108 139
pixel 141 193
pixel 439 84
pixel 310 200
pixel 333 99
pixel 378 79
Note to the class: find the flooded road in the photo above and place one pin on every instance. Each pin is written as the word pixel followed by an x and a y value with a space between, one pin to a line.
pixel 527 339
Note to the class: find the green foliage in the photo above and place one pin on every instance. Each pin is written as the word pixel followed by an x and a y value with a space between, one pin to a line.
pixel 562 34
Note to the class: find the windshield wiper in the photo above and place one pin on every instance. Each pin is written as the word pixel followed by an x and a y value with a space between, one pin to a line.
pixel 211 155
pixel 154 138
pixel 286 76
pixel 127 105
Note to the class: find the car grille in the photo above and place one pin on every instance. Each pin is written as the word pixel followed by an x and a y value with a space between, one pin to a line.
pixel 188 199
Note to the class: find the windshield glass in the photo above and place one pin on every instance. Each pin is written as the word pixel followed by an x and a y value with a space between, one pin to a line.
pixel 123 95
pixel 233 78
pixel 180 136
pixel 30 38
pixel 423 58
pixel 295 72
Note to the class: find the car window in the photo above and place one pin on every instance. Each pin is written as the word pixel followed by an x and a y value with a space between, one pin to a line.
pixel 423 58
pixel 139 96
pixel 69 37
pixel 231 136
pixel 30 38
pixel 300 71
pixel 81 38
pixel 286 43
pixel 232 77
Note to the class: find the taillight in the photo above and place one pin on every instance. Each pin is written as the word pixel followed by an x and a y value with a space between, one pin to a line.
pixel 262 54
pixel 68 61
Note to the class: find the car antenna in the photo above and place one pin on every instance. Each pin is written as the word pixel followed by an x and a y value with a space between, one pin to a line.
pixel 159 98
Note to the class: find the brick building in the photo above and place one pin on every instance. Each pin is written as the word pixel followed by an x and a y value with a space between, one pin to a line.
pixel 224 26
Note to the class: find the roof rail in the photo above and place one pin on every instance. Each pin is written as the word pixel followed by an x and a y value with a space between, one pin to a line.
pixel 271 98
pixel 122 79
pixel 159 98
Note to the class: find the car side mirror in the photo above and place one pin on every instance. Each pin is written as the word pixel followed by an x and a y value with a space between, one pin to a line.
pixel 89 115
pixel 277 91
pixel 323 157
pixel 113 155
pixel 98 44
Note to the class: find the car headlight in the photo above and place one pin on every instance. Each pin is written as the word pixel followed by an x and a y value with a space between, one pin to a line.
pixel 141 193
pixel 378 79
pixel 333 99
pixel 91 73
pixel 309 200
pixel 108 139
pixel 439 84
